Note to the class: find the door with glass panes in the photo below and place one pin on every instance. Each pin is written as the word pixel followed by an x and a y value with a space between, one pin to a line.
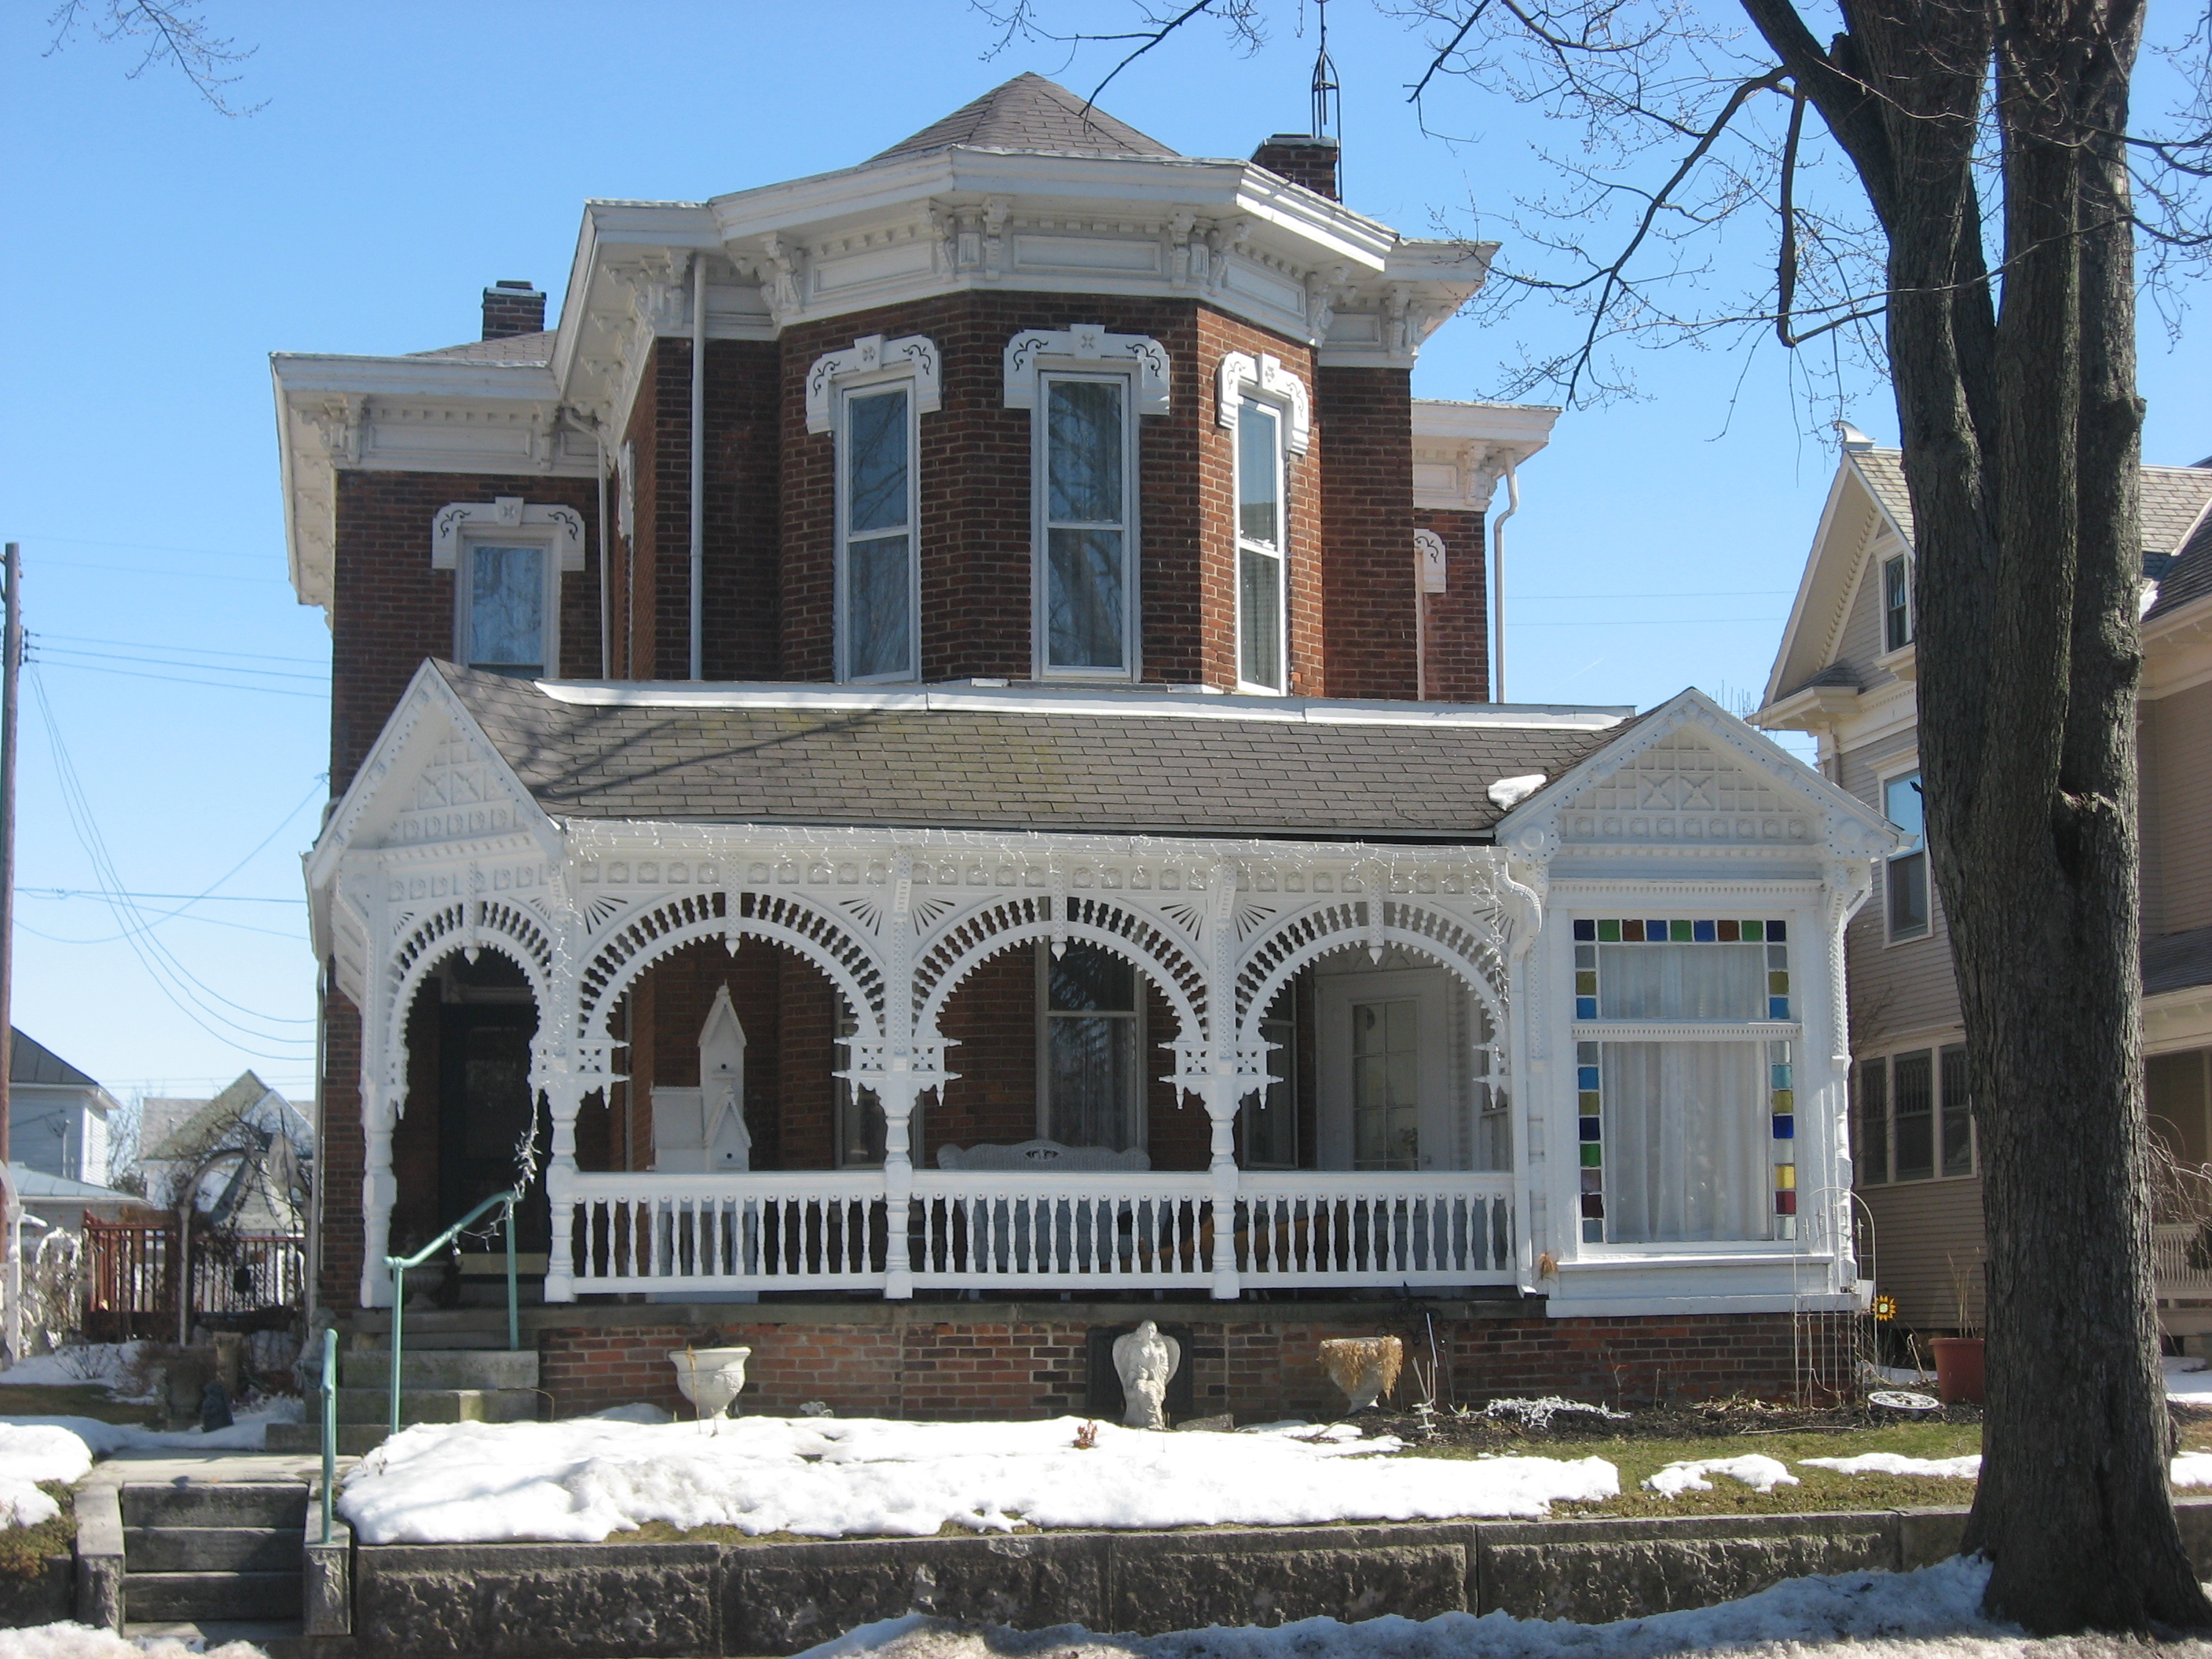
pixel 1385 1093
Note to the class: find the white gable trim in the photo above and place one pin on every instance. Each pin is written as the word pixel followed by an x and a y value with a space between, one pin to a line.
pixel 1266 375
pixel 1086 345
pixel 911 356
pixel 459 521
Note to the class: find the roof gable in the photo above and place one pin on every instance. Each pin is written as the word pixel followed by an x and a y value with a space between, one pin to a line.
pixel 30 1061
pixel 1030 113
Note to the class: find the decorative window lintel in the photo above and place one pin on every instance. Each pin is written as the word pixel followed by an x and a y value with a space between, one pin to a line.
pixel 913 355
pixel 1266 375
pixel 1086 345
pixel 456 521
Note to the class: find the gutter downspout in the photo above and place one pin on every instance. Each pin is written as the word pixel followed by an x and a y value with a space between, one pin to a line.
pixel 1420 627
pixel 698 457
pixel 606 600
pixel 1498 580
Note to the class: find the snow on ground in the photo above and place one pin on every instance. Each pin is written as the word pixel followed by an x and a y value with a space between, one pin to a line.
pixel 108 1365
pixel 1759 1473
pixel 2188 1379
pixel 70 1641
pixel 1539 1414
pixel 30 1454
pixel 248 1425
pixel 1953 1468
pixel 2191 1469
pixel 832 1478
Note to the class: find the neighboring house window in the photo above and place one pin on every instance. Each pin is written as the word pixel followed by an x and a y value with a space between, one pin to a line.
pixel 506 557
pixel 1267 408
pixel 1091 1082
pixel 1088 537
pixel 1901 803
pixel 872 396
pixel 1896 603
pixel 1269 1121
pixel 879 583
pixel 1912 1116
pixel 1086 389
pixel 506 604
pixel 1687 1140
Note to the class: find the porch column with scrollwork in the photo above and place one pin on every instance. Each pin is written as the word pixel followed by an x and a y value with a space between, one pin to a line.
pixel 565 1073
pixel 1221 1087
pixel 380 1189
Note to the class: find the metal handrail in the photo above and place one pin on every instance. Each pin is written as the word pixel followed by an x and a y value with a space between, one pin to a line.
pixel 400 1264
pixel 330 1421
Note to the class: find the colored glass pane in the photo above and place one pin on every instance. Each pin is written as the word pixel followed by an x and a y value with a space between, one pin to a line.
pixel 1777 984
pixel 1785 1204
pixel 1587 1101
pixel 1585 1077
pixel 1594 1206
pixel 1785 1177
pixel 1585 929
pixel 1593 1181
pixel 1682 933
pixel 1785 1127
pixel 1586 1054
pixel 1784 1100
pixel 1608 933
pixel 1752 931
pixel 1778 1077
pixel 1777 931
pixel 1588 1129
pixel 1730 931
pixel 1777 1007
pixel 1586 982
pixel 1593 1155
pixel 1585 1008
pixel 1655 932
pixel 1702 932
pixel 1631 932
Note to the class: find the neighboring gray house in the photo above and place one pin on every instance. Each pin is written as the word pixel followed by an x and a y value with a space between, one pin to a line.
pixel 58 1117
pixel 178 1134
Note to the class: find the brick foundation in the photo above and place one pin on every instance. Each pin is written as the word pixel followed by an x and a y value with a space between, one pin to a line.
pixel 932 1362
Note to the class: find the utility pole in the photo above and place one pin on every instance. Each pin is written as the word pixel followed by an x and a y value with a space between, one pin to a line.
pixel 11 674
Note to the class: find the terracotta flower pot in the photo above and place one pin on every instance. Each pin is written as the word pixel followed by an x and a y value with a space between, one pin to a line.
pixel 1959 1369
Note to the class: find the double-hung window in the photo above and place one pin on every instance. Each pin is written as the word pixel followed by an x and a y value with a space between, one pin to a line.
pixel 1260 546
pixel 505 608
pixel 1090 1049
pixel 1685 1136
pixel 1896 603
pixel 1906 881
pixel 879 578
pixel 1912 1116
pixel 1089 493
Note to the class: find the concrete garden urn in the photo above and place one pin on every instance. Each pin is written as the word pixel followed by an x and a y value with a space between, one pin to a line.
pixel 710 1378
pixel 1365 1367
pixel 1146 1362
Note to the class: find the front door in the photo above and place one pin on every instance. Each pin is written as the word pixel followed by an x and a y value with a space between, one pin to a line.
pixel 1385 1059
pixel 484 1116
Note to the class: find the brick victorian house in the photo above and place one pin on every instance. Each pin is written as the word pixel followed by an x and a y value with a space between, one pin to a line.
pixel 928 747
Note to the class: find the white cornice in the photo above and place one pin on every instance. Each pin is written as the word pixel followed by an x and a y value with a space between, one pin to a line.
pixel 1460 449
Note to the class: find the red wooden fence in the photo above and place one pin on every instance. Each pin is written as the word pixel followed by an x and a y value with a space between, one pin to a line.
pixel 131 1276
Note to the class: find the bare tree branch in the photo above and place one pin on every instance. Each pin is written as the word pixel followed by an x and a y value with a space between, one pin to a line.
pixel 173 33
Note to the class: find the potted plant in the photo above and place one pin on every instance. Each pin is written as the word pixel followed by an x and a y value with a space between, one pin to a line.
pixel 1959 1373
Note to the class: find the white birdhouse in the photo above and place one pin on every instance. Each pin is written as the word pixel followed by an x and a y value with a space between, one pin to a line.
pixel 695 1131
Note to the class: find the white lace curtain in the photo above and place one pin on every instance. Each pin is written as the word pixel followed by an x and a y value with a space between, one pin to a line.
pixel 1686 1146
pixel 1682 982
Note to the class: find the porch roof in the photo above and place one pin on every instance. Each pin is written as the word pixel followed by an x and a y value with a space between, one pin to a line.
pixel 1094 762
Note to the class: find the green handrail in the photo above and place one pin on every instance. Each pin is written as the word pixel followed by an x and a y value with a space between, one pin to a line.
pixel 330 1421
pixel 400 1264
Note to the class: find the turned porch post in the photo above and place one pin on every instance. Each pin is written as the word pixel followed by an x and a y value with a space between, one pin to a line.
pixel 554 1072
pixel 1223 1076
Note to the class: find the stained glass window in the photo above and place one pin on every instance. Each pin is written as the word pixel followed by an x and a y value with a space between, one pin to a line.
pixel 1733 968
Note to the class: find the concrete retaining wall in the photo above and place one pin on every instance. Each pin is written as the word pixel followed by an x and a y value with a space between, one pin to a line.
pixel 555 1601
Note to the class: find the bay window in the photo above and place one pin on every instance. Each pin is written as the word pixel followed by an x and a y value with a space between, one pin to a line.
pixel 1685 1135
pixel 1088 491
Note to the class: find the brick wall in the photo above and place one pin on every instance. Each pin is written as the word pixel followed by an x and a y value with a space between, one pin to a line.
pixel 1457 620
pixel 920 1363
pixel 341 1154
pixel 1365 421
pixel 389 610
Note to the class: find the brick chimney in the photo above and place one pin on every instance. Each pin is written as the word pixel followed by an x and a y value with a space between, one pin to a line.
pixel 513 308
pixel 1302 159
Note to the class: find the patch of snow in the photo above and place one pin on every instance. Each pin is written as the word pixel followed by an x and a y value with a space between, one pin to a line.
pixel 841 1477
pixel 2188 1379
pixel 1906 1375
pixel 42 1451
pixel 642 1411
pixel 107 1364
pixel 1539 1414
pixel 1935 1611
pixel 1755 1470
pixel 248 1427
pixel 71 1641
pixel 22 1504
pixel 2191 1469
pixel 1507 793
pixel 1949 1468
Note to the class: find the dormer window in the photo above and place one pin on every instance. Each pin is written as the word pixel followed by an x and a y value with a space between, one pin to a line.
pixel 1896 603
pixel 1266 407
pixel 871 398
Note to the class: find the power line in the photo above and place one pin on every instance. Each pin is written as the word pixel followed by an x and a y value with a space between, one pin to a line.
pixel 1714 593
pixel 177 679
pixel 151 547
pixel 178 650
pixel 205 922
pixel 196 898
pixel 163 662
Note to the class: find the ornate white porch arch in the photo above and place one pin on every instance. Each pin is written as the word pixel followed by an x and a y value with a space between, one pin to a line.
pixel 1297 941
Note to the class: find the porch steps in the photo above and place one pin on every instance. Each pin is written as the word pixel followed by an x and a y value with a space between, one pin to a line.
pixel 201 1552
pixel 438 1383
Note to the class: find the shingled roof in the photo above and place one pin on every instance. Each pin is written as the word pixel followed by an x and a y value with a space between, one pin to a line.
pixel 2189 577
pixel 2172 496
pixel 1030 113
pixel 963 760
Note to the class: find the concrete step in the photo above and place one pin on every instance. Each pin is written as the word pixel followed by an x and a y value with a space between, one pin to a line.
pixel 211 1594
pixel 210 1549
pixel 439 1406
pixel 280 1638
pixel 439 1368
pixel 354 1439
pixel 220 1504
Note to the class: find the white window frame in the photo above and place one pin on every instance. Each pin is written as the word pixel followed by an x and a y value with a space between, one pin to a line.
pixel 1262 380
pixel 458 527
pixel 1033 358
pixel 1898 772
pixel 872 363
pixel 1139 1106
pixel 548 643
pixel 1883 562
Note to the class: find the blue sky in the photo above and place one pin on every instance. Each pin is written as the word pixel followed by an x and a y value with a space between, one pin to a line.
pixel 408 154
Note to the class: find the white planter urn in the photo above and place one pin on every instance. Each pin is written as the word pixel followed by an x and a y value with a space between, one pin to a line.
pixel 710 1378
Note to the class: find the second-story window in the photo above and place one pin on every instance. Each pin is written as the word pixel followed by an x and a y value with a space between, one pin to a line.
pixel 505 607
pixel 1088 493
pixel 1896 603
pixel 1907 895
pixel 1260 542
pixel 878 578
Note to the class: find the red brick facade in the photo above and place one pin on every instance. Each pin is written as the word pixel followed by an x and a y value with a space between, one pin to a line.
pixel 1457 620
pixel 924 1362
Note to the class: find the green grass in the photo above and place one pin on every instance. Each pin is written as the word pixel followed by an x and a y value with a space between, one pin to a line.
pixel 23 1550
pixel 1818 1489
pixel 68 1399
